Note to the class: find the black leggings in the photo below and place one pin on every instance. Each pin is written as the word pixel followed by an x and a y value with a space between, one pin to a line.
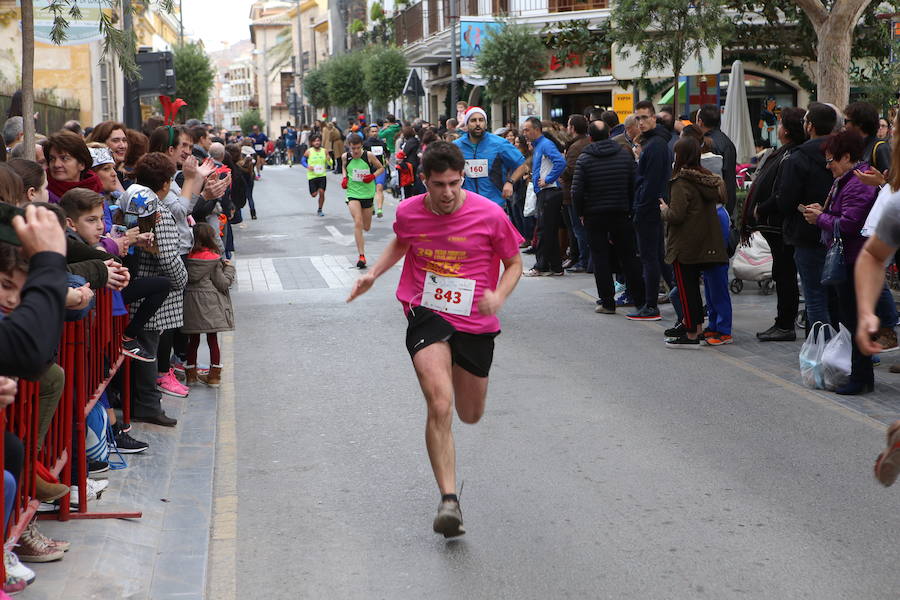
pixel 13 455
pixel 153 291
pixel 687 278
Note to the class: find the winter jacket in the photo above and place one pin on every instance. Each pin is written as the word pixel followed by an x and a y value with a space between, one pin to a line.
pixel 623 140
pixel 723 146
pixel 332 140
pixel 207 301
pixel 604 179
pixel 86 261
pixel 804 180
pixel 547 163
pixel 653 172
pixel 877 153
pixel 389 135
pixel 574 149
pixel 694 232
pixel 849 200
pixel 503 158
pixel 165 263
pixel 762 198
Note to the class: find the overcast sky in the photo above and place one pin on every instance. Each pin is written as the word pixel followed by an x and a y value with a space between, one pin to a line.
pixel 217 21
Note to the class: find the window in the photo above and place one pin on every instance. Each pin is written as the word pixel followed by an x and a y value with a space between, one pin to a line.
pixel 572 5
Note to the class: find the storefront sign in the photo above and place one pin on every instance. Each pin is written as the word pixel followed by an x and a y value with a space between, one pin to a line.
pixel 623 105
pixel 82 30
pixel 471 35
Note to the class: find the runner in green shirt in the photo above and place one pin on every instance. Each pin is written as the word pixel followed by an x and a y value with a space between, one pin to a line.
pixel 390 132
pixel 317 163
pixel 360 169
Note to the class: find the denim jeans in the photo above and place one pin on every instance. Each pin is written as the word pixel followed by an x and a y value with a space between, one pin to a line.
pixel 651 246
pixel 581 237
pixel 886 308
pixel 810 262
pixel 860 365
pixel 718 300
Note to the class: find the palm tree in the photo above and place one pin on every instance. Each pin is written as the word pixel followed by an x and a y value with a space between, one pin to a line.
pixel 28 76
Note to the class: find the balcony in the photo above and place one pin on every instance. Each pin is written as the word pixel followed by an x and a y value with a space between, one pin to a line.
pixel 408 25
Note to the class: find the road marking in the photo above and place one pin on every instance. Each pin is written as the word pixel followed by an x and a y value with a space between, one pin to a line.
pixel 221 582
pixel 337 237
pixel 335 270
pixel 257 275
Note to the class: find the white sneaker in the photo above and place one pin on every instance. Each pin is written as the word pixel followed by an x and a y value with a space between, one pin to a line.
pixel 15 568
pixel 94 490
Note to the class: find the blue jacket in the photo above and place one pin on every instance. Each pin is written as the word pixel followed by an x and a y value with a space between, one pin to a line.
pixel 544 147
pixel 503 158
pixel 653 173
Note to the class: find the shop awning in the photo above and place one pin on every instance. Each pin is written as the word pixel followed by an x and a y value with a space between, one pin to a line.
pixel 682 94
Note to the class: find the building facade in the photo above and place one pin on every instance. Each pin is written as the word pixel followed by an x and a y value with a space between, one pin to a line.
pixel 271 35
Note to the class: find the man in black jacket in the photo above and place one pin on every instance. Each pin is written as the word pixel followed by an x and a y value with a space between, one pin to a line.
pixel 602 188
pixel 709 118
pixel 862 117
pixel 653 172
pixel 29 336
pixel 806 180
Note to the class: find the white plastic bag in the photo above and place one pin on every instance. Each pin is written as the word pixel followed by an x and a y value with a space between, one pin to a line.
pixel 811 355
pixel 753 261
pixel 530 200
pixel 836 360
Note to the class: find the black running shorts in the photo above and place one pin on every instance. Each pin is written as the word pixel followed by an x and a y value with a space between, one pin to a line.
pixel 364 202
pixel 474 352
pixel 316 184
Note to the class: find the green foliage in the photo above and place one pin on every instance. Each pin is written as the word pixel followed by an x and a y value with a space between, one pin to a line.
pixel 667 33
pixel 878 82
pixel 786 35
pixel 574 42
pixel 357 26
pixel 345 78
pixel 385 74
pixel 511 58
pixel 116 41
pixel 377 12
pixel 194 76
pixel 315 86
pixel 250 118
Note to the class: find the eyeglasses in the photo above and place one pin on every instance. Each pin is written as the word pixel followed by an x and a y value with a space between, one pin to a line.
pixel 828 161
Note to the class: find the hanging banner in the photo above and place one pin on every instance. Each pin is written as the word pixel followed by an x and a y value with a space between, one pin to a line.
pixel 82 30
pixel 471 35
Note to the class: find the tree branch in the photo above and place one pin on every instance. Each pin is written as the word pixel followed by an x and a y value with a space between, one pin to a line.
pixel 816 11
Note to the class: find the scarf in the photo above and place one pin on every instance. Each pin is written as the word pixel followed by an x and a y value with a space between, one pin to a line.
pixel 91 182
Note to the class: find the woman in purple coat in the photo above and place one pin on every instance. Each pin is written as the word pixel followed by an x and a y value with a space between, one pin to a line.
pixel 848 203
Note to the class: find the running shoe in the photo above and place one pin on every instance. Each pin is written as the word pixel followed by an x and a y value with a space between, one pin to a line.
pixel 645 314
pixel 379 213
pixel 94 491
pixel 719 339
pixel 16 569
pixel 177 366
pixel 677 331
pixel 361 263
pixel 96 467
pixel 603 310
pixel 167 384
pixel 619 287
pixel 683 342
pixel 134 349
pixel 125 443
pixel 320 213
pixel 535 273
pixel 448 521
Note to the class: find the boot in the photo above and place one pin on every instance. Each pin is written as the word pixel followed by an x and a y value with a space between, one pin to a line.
pixel 48 492
pixel 190 375
pixel 213 378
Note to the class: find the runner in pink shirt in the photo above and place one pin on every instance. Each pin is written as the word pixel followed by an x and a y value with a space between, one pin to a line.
pixel 451 290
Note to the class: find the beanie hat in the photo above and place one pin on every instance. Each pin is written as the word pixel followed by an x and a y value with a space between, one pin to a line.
pixel 474 110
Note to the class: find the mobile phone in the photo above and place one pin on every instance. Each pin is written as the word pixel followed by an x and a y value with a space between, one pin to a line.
pixel 801 207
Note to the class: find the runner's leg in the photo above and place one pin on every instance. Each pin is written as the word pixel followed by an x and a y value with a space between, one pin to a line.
pixel 356 211
pixel 434 369
pixel 367 218
pixel 379 197
pixel 321 199
pixel 470 392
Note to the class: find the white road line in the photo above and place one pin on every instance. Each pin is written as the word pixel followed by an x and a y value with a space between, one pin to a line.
pixel 338 237
pixel 335 270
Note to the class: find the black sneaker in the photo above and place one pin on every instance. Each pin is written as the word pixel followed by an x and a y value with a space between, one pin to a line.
pixel 361 263
pixel 97 466
pixel 126 444
pixel 776 334
pixel 134 349
pixel 645 314
pixel 676 331
pixel 683 341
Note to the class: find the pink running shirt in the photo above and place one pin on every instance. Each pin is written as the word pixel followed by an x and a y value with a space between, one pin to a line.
pixel 469 243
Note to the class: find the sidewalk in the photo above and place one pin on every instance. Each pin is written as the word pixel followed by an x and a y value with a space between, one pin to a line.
pixel 163 555
pixel 755 312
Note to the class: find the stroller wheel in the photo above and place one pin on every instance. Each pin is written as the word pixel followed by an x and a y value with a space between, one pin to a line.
pixel 767 286
pixel 736 286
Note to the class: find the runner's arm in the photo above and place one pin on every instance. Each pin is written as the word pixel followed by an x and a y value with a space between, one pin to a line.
pixel 374 161
pixel 869 278
pixel 395 251
pixel 492 300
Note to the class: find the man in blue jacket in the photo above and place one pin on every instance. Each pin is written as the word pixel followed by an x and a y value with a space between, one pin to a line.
pixel 547 165
pixel 492 163
pixel 653 173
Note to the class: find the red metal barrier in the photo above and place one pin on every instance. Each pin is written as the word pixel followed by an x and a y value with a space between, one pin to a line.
pixel 90 353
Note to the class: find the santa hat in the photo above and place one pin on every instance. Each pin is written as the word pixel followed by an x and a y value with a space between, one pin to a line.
pixel 474 110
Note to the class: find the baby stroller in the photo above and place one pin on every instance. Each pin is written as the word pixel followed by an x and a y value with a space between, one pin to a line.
pixel 753 262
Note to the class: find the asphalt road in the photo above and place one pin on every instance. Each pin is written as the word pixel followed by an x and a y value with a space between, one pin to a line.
pixel 606 466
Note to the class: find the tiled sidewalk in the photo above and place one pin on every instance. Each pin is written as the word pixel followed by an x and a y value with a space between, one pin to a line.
pixel 163 555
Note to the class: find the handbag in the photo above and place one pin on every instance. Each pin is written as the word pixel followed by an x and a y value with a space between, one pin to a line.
pixel 530 201
pixel 835 272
